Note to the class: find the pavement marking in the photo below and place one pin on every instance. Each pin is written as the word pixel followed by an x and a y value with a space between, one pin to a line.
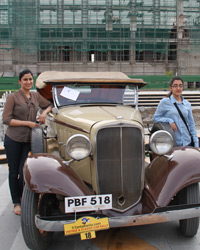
pixel 19 243
pixel 120 239
pixel 5 196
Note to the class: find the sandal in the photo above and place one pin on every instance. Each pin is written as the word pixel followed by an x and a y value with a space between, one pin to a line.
pixel 17 209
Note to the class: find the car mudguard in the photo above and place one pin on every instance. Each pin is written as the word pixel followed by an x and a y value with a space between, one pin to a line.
pixel 45 173
pixel 166 176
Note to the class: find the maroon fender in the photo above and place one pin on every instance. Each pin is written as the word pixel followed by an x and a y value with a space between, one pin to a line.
pixel 45 173
pixel 165 178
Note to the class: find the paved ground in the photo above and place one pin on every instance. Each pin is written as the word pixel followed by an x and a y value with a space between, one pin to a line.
pixel 163 236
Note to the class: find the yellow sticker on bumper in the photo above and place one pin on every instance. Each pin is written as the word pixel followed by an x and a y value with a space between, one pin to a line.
pixel 86 224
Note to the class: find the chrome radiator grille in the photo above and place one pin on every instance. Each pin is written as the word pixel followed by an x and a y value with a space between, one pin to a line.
pixel 120 164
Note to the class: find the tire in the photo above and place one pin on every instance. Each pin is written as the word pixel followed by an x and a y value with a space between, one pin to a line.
pixel 34 239
pixel 166 127
pixel 37 140
pixel 189 195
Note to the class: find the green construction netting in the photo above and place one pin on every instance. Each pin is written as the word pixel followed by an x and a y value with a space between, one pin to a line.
pixel 47 27
pixel 28 24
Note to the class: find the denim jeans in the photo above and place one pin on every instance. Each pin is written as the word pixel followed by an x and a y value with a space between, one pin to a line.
pixel 16 153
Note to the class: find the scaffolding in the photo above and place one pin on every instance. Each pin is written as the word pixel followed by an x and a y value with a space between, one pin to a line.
pixel 140 37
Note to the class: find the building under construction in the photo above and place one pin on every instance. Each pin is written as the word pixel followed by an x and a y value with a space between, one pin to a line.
pixel 137 37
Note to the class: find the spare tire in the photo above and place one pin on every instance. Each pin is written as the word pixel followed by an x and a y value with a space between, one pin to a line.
pixel 164 126
pixel 37 140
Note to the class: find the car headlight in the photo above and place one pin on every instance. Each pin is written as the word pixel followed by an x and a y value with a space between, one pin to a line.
pixel 78 147
pixel 161 142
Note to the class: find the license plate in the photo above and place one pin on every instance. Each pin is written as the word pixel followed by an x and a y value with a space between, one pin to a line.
pixel 88 203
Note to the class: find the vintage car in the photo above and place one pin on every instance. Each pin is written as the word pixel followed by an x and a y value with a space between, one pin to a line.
pixel 90 169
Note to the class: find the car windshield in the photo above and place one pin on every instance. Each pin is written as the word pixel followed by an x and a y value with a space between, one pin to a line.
pixel 71 94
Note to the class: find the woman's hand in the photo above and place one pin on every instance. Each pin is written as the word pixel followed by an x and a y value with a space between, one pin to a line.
pixel 32 124
pixel 173 126
pixel 42 117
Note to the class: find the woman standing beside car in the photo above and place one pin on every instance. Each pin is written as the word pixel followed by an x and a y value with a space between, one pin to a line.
pixel 20 115
pixel 177 111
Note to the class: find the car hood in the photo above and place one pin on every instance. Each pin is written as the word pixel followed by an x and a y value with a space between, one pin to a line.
pixel 84 117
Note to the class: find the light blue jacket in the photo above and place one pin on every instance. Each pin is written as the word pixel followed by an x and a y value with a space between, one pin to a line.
pixel 167 112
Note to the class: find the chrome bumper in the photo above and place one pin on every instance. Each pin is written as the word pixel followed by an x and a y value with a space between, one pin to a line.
pixel 126 221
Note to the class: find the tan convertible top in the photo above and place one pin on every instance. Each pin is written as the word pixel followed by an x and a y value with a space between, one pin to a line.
pixel 53 77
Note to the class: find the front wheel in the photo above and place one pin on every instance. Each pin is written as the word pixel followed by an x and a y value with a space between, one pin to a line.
pixel 34 238
pixel 189 195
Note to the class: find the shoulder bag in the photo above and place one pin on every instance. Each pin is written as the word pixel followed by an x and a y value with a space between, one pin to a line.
pixel 182 117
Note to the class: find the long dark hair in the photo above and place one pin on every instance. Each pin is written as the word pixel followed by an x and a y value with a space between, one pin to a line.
pixel 24 72
pixel 172 81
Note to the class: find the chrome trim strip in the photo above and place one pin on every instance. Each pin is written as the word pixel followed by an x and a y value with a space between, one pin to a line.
pixel 121 161
pixel 55 97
